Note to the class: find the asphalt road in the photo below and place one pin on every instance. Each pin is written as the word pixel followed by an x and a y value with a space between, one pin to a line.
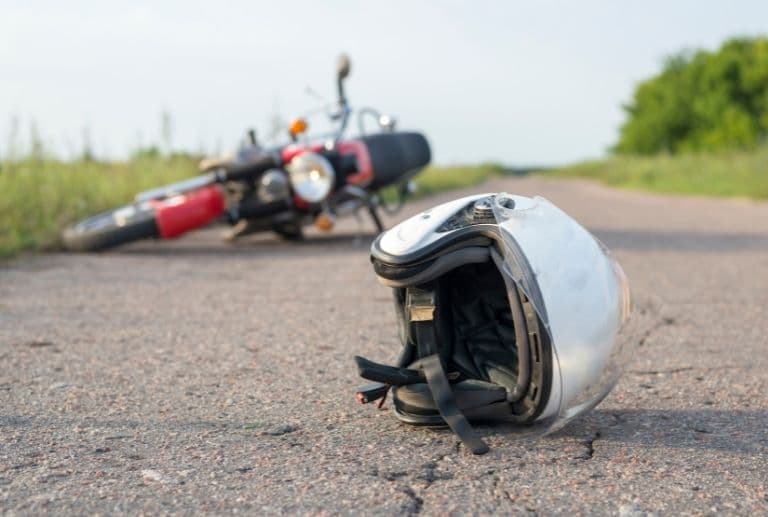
pixel 200 377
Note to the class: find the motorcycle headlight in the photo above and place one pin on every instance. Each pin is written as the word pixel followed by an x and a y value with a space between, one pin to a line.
pixel 311 176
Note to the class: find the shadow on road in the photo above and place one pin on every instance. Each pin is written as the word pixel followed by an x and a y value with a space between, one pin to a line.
pixel 638 240
pixel 255 246
pixel 739 431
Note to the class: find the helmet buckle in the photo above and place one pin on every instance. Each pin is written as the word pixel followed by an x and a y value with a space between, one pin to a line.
pixel 421 304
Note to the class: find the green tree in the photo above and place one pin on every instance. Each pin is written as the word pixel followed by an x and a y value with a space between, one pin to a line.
pixel 701 101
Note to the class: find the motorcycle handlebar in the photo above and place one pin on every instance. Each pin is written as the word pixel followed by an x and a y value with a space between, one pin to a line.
pixel 250 170
pixel 340 89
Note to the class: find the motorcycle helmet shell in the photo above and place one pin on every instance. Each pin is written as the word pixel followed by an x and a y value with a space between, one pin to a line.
pixel 508 310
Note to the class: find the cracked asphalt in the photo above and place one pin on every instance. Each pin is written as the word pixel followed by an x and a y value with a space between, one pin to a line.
pixel 200 377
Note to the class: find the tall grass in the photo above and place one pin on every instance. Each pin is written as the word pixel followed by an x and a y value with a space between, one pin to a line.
pixel 39 197
pixel 732 173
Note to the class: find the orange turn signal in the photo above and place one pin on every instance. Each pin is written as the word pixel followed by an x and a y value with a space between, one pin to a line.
pixel 298 126
pixel 324 222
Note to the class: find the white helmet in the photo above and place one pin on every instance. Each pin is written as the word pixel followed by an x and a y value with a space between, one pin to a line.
pixel 508 310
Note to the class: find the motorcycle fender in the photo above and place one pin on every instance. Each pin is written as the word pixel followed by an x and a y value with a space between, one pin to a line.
pixel 179 214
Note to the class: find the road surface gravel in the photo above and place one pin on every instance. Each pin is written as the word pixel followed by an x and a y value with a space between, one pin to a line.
pixel 200 377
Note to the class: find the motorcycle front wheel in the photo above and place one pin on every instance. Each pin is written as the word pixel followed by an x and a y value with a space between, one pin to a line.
pixel 113 228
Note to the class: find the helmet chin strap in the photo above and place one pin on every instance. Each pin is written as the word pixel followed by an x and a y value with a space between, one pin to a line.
pixel 420 303
pixel 429 367
pixel 446 404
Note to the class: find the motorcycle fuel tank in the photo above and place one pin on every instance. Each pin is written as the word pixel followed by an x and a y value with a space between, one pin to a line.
pixel 179 214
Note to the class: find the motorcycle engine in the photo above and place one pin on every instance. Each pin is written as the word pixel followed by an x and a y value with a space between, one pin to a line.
pixel 273 186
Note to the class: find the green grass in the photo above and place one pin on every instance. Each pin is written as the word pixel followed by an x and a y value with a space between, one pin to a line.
pixel 437 179
pixel 39 197
pixel 731 174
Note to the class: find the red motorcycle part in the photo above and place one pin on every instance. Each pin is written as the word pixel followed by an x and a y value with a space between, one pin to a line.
pixel 185 212
pixel 365 172
pixel 300 203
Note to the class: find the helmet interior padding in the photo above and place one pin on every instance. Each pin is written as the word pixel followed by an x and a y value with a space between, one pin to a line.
pixel 472 346
pixel 479 344
pixel 475 306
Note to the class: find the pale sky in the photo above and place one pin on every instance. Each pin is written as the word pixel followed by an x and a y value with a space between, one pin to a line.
pixel 518 82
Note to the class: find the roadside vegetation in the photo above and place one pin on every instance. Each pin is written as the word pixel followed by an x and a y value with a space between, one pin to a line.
pixel 728 173
pixel 700 126
pixel 39 197
pixel 701 101
pixel 438 179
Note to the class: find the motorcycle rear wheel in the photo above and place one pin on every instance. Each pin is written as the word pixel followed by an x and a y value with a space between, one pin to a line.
pixel 113 228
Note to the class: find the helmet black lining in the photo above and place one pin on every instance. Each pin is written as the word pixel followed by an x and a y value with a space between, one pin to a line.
pixel 483 331
pixel 483 341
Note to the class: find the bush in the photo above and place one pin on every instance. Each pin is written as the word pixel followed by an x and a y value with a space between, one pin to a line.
pixel 702 101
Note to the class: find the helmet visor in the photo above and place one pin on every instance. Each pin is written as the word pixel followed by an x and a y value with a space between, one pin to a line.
pixel 581 297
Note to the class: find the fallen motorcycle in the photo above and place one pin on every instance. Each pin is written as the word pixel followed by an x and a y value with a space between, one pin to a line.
pixel 282 189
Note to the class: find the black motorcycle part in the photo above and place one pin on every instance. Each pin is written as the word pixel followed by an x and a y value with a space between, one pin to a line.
pixel 111 229
pixel 290 231
pixel 253 208
pixel 343 164
pixel 396 157
pixel 249 171
pixel 375 217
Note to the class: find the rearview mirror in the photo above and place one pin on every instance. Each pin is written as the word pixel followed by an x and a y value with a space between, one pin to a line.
pixel 342 66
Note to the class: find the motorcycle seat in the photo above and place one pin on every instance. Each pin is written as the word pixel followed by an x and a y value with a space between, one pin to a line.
pixel 396 157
